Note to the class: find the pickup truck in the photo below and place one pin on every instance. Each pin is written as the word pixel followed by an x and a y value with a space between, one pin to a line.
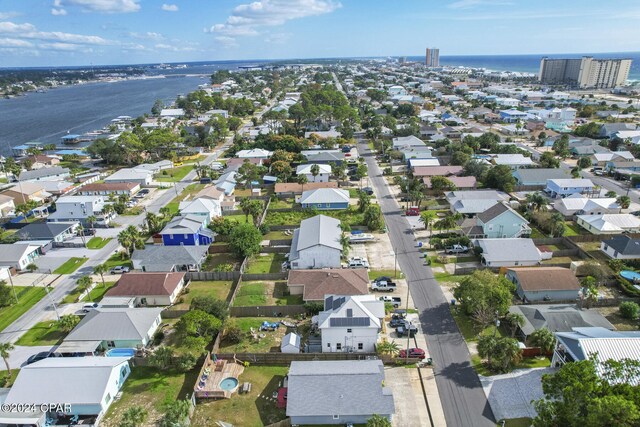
pixel 383 286
pixel 395 301
pixel 456 249
pixel 357 262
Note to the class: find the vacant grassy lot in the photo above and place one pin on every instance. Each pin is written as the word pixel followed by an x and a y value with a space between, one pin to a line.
pixel 467 327
pixel 347 216
pixel 27 298
pixel 373 274
pixel 214 260
pixel 97 293
pixel 218 289
pixel 71 265
pixel 240 218
pixel 117 259
pixel 526 363
pixel 175 174
pixel 260 342
pixel 43 333
pixel 153 390
pixel 253 409
pixel 97 242
pixel 281 204
pixel 251 294
pixel 265 263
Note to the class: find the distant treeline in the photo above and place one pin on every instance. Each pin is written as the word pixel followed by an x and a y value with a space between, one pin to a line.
pixel 41 76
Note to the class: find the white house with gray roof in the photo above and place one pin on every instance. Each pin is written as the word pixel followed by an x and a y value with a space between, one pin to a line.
pixel 316 244
pixel 18 255
pixel 350 323
pixel 538 176
pixel 325 199
pixel 621 247
pixel 155 258
pixel 557 318
pixel 508 252
pixel 54 173
pixel 337 392
pixel 324 172
pixel 87 384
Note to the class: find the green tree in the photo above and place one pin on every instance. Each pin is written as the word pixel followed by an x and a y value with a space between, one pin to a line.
pixel 611 194
pixel 177 414
pixel 161 358
pixel 198 323
pixel 484 289
pixel 378 421
pixel 244 240
pixel 130 239
pixel 442 184
pixel 134 416
pixel 515 321
pixel 282 170
pixel 91 220
pixel 561 146
pixel 500 177
pixel 222 225
pixel 210 305
pixel 629 310
pixel 315 170
pixel 361 172
pixel 536 201
pixel 387 347
pixel 101 269
pixel 584 163
pixel 428 218
pixel 364 201
pixel 234 124
pixel 68 322
pixel 543 338
pixel 157 107
pixel 31 267
pixel 302 180
pixel 591 394
pixel 548 160
pixel 624 202
pixel 502 353
pixel 373 217
pixel 5 350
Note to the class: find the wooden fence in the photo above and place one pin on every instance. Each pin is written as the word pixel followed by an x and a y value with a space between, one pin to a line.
pixel 285 359
pixel 275 249
pixel 218 249
pixel 280 242
pixel 201 276
pixel 267 311
pixel 266 276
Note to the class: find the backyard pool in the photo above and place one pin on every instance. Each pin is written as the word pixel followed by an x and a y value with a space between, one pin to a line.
pixel 229 384
pixel 630 275
pixel 121 352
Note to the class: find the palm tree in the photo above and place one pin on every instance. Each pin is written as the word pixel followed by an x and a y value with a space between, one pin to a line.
pixel 302 180
pixel 130 238
pixel 515 321
pixel 346 245
pixel 387 347
pixel 91 220
pixel 427 218
pixel 5 349
pixel 378 421
pixel 83 283
pixel 315 170
pixel 101 269
pixel 245 206
pixel 543 338
pixel 624 202
pixel 535 201
pixel 364 200
pixel 487 346
pixel 557 225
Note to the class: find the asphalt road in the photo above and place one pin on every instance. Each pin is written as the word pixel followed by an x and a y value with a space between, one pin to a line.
pixel 461 394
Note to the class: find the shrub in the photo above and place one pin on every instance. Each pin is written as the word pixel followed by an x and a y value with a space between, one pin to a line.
pixel 313 307
pixel 629 310
pixel 158 337
pixel 233 334
pixel 264 229
pixel 224 267
pixel 185 362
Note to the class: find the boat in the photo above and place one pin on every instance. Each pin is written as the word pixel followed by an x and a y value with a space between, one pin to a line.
pixel 361 238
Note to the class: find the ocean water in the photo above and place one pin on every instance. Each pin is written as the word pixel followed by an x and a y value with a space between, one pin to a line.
pixel 527 63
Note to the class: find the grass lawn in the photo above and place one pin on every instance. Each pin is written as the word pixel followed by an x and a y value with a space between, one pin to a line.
pixel 134 211
pixel 175 174
pixel 118 259
pixel 27 298
pixel 218 289
pixel 389 273
pixel 251 345
pixel 277 235
pixel 7 381
pixel 71 265
pixel 97 242
pixel 526 363
pixel 348 216
pixel 43 333
pixel 281 204
pixel 517 422
pixel 213 260
pixel 255 409
pixel 282 297
pixel 613 315
pixel 537 234
pixel 251 294
pixel 561 260
pixel 96 293
pixel 240 218
pixel 265 263
pixel 468 328
pixel 573 229
pixel 152 389
pixel 188 192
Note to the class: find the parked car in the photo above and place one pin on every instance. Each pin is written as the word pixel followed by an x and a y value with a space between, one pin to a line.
pixel 413 352
pixel 395 301
pixel 368 191
pixel 346 148
pixel 383 286
pixel 41 356
pixel 120 269
pixel 382 279
pixel 456 249
pixel 413 211
pixel 89 306
pixel 397 321
pixel 357 262
pixel 405 199
pixel 407 329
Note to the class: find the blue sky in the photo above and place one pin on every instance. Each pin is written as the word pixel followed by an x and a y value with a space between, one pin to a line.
pixel 80 32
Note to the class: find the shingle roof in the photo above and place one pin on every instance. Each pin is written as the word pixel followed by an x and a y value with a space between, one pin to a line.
pixel 154 257
pixel 10 253
pixel 179 224
pixel 546 279
pixel 306 169
pixel 43 231
pixel 294 187
pixel 42 172
pixel 625 245
pixel 505 250
pixel 541 174
pixel 109 186
pixel 327 388
pixel 558 317
pixel 111 324
pixel 134 284
pixel 318 283
pixel 436 170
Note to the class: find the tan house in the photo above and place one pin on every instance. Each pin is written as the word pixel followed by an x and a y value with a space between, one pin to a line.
pixel 6 205
pixel 42 161
pixel 149 289
pixel 26 191
pixel 290 188
pixel 313 285
pixel 108 188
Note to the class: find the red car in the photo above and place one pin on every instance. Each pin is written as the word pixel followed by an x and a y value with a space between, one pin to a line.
pixel 413 211
pixel 413 352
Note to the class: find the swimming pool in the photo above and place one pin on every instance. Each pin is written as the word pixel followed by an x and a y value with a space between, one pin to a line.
pixel 630 275
pixel 229 384
pixel 121 352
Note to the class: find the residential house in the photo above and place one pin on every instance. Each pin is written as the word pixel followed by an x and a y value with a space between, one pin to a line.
pixel 507 102
pixel 322 134
pixel 18 255
pixel 396 90
pixel 537 177
pixel 600 160
pixel 473 202
pixel 609 223
pixel 427 131
pixel 350 323
pixel 129 189
pixel 499 221
pixel 407 141
pixel 514 161
pixel 337 392
pixel 544 283
pixel 227 182
pixel 422 162
pixel 57 188
pixel 621 247
pixel 631 136
pixel 601 343
pixel 105 328
pixel 567 187
pixel 624 167
pixel 156 167
pixel 169 258
pixel 325 199
pixel 254 153
pixel 451 133
pixel 326 157
pixel 79 208
pixel 316 244
pixel 313 285
pixel 27 191
pixel 212 193
pixel 291 189
pixel 7 205
pixel 428 171
pixel 417 152
pixel 143 177
pixel 171 113
pixel 43 161
pixel 608 130
pixel 580 205
pixel 513 116
pixel 508 252
pixel 88 385
pixel 206 208
pixel 48 231
pixel 557 318
pixel 149 289
pixel 324 172
pixel 54 173
pixel 187 230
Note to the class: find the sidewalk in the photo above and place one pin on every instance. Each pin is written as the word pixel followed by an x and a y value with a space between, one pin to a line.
pixel 431 393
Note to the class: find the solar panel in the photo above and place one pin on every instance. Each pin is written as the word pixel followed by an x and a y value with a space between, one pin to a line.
pixel 349 321
pixel 338 302
pixel 328 303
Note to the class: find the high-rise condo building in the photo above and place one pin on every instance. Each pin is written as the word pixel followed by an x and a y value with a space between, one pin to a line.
pixel 585 73
pixel 432 58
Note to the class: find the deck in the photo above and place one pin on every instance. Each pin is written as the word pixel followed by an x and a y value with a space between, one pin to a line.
pixel 212 373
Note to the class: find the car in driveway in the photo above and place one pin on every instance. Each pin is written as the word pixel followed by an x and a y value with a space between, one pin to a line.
pixel 41 356
pixel 357 262
pixel 413 211
pixel 119 269
pixel 417 353
pixel 368 191
pixel 407 329
pixel 396 322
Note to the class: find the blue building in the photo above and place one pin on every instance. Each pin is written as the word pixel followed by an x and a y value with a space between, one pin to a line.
pixel 187 230
pixel 513 115
pixel 568 187
pixel 325 199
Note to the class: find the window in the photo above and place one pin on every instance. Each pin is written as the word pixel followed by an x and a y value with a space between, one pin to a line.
pixel 360 346
pixel 339 346
pixel 329 345
pixel 336 417
pixel 107 399
pixel 349 330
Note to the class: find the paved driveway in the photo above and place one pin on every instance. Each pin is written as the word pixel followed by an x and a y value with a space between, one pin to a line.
pixel 510 395
pixel 20 354
pixel 411 409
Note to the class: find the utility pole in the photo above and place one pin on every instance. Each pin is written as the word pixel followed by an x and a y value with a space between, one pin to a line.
pixel 53 304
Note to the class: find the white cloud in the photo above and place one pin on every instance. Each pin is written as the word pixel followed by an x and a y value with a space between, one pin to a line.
pixel 8 15
pixel 67 47
pixel 29 31
pixel 173 48
pixel 147 36
pixel 246 19
pixel 102 6
pixel 278 38
pixel 169 7
pixel 226 41
pixel 469 4
pixel 58 12
pixel 7 42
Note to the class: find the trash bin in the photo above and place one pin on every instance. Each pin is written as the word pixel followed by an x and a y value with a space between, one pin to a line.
pixel 453 302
